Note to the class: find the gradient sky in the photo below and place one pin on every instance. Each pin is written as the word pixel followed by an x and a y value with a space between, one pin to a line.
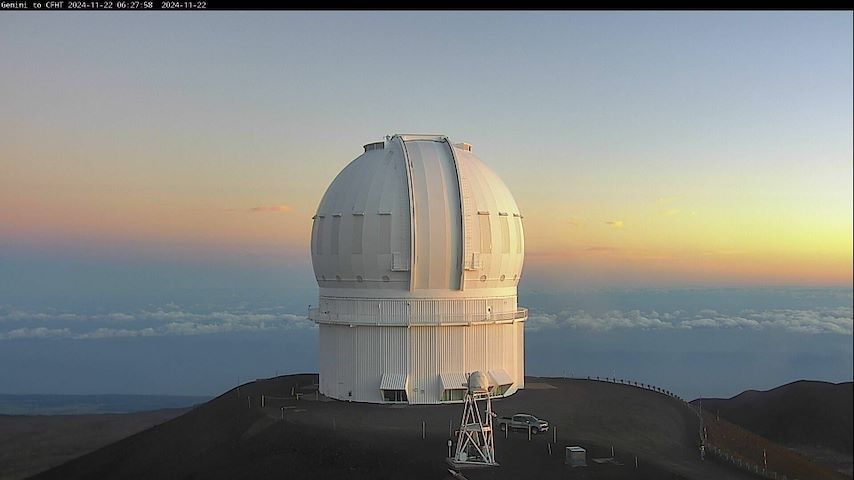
pixel 644 148
pixel 686 181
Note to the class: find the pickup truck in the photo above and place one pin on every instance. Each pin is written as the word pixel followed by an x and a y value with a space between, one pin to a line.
pixel 523 421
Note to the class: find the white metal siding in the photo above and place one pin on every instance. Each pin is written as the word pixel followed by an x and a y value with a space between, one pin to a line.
pixel 520 354
pixel 405 311
pixel 423 364
pixel 354 359
pixel 451 344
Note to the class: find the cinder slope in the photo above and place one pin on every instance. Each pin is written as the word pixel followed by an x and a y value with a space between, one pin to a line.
pixel 742 444
pixel 232 436
pixel 33 443
pixel 812 417
pixel 799 413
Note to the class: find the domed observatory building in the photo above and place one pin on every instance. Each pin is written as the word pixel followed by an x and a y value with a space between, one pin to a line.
pixel 417 247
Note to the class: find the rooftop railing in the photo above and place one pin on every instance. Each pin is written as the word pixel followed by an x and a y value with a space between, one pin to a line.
pixel 416 319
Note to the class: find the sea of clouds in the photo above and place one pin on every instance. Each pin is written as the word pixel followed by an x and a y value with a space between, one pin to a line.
pixel 163 321
pixel 838 320
pixel 172 319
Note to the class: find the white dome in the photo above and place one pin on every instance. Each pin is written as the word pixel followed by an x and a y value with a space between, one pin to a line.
pixel 417 193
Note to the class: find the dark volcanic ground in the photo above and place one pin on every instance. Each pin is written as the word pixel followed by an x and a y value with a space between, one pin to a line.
pixel 814 418
pixel 33 443
pixel 234 437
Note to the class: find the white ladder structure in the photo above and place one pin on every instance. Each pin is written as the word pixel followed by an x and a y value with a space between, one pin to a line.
pixel 475 442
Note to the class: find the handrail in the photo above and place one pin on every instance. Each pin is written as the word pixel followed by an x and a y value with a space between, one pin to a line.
pixel 317 316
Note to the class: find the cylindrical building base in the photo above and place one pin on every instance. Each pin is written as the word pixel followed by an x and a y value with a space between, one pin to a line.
pixel 418 364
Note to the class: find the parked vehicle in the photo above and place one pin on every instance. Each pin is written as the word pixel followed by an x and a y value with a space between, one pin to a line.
pixel 523 421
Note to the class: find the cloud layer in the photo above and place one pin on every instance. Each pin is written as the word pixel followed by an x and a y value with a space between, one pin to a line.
pixel 836 320
pixel 145 323
pixel 172 320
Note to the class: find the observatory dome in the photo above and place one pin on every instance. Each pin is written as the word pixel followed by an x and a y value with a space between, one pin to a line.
pixel 421 194
pixel 417 247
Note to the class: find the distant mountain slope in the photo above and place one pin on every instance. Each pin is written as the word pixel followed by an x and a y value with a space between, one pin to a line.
pixel 33 443
pixel 802 413
pixel 40 404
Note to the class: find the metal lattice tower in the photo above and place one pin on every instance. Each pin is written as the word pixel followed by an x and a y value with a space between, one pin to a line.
pixel 475 442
